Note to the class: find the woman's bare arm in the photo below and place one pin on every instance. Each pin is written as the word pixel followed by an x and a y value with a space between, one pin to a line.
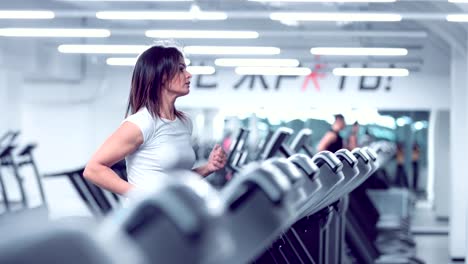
pixel 125 140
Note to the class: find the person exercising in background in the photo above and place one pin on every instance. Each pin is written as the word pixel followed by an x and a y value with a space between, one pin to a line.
pixel 367 138
pixel 353 137
pixel 155 137
pixel 415 164
pixel 332 141
pixel 401 176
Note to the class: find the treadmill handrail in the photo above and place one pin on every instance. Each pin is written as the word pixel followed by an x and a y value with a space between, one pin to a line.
pixel 235 150
pixel 328 158
pixel 288 168
pixel 256 176
pixel 277 139
pixel 358 152
pixel 8 139
pixel 64 173
pixel 305 163
pixel 344 154
pixel 372 154
pixel 27 149
pixel 169 202
pixel 6 151
pixel 301 136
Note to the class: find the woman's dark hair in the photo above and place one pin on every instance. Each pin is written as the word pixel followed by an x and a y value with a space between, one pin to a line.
pixel 153 68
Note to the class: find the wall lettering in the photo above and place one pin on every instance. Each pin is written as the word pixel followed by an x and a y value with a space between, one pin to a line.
pixel 251 79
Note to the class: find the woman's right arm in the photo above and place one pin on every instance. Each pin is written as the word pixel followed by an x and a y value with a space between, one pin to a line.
pixel 125 140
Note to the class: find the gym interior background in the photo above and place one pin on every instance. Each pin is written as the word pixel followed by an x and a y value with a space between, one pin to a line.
pixel 64 86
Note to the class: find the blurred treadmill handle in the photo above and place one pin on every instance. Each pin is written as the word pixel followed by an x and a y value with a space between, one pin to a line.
pixel 286 150
pixel 275 143
pixel 328 158
pixel 309 150
pixel 359 153
pixel 14 135
pixel 301 136
pixel 5 136
pixel 170 204
pixel 233 160
pixel 27 149
pixel 372 154
pixel 235 148
pixel 288 168
pixel 6 151
pixel 255 180
pixel 243 158
pixel 306 164
pixel 346 155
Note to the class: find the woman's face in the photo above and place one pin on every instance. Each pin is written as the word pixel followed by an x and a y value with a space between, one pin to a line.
pixel 180 84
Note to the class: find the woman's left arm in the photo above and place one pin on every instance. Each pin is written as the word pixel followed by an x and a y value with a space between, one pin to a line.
pixel 216 161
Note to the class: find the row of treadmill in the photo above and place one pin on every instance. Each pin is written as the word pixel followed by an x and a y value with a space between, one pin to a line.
pixel 17 160
pixel 285 204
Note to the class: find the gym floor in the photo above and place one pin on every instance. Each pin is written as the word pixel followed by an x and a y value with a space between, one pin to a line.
pixel 431 236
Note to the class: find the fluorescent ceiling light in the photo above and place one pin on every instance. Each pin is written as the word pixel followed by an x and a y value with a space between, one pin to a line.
pixel 215 34
pixel 103 49
pixel 397 72
pixel 359 51
pixel 167 15
pixel 121 61
pixel 374 17
pixel 327 1
pixel 457 18
pixel 231 50
pixel 227 62
pixel 55 32
pixel 128 61
pixel 272 71
pixel 26 14
pixel 290 23
pixel 201 70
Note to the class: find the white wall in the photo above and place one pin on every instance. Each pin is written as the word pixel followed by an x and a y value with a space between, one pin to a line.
pixel 418 91
pixel 458 146
pixel 439 162
pixel 5 121
pixel 10 95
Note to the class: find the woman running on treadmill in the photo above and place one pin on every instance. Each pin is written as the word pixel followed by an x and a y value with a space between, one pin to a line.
pixel 155 137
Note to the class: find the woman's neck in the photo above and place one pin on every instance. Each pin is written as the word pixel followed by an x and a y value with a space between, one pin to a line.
pixel 168 115
pixel 167 108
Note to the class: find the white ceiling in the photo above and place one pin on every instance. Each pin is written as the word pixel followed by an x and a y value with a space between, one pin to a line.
pixel 427 25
